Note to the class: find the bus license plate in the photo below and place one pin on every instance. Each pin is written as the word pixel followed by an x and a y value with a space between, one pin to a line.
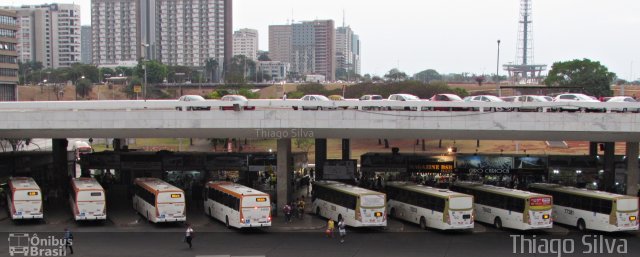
pixel 82 214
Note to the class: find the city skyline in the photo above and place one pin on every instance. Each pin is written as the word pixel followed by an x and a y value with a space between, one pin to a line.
pixel 460 35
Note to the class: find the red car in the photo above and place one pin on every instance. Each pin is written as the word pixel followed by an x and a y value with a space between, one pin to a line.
pixel 447 98
pixel 242 101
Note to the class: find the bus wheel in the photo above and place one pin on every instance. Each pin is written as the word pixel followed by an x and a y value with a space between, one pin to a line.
pixel 423 223
pixel 226 221
pixel 582 226
pixel 497 223
pixel 318 211
pixel 392 213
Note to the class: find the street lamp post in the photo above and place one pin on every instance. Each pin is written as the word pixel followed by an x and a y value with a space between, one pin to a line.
pixel 144 90
pixel 498 71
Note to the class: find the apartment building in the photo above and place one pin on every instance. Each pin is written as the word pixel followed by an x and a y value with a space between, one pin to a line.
pixel 8 55
pixel 245 42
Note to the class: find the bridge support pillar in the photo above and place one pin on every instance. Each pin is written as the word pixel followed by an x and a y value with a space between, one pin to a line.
pixel 119 144
pixel 284 173
pixel 632 168
pixel 60 161
pixel 346 149
pixel 593 149
pixel 609 175
pixel 321 157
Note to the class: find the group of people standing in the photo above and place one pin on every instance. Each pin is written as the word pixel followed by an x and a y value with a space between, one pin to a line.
pixel 295 208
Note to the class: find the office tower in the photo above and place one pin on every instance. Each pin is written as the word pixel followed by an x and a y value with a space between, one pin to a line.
pixel 313 48
pixel 280 43
pixel 245 42
pixel 85 38
pixel 8 55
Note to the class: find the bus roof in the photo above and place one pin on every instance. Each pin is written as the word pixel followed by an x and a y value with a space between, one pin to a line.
pixel 580 191
pixel 156 184
pixel 349 189
pixel 438 192
pixel 23 183
pixel 233 188
pixel 498 190
pixel 81 184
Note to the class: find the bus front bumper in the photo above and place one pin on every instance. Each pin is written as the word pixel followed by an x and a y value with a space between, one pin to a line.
pixel 95 217
pixel 172 219
pixel 27 216
pixel 256 225
pixel 455 227
pixel 545 226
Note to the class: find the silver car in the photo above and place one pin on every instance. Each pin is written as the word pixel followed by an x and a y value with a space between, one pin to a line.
pixel 530 99
pixel 315 98
pixel 624 99
pixel 193 98
pixel 403 98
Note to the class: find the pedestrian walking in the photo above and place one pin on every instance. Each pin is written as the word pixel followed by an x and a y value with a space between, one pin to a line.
pixel 330 228
pixel 301 204
pixel 189 236
pixel 342 229
pixel 284 96
pixel 287 213
pixel 68 241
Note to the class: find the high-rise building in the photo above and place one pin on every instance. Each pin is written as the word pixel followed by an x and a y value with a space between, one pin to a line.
pixel 313 48
pixel 85 38
pixel 277 70
pixel 49 33
pixel 280 43
pixel 115 30
pixel 8 55
pixel 245 42
pixel 189 32
pixel 347 50
pixel 174 32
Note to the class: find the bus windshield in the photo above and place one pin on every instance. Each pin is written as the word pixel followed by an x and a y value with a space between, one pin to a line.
pixel 627 204
pixel 460 203
pixel 372 200
pixel 256 201
pixel 27 195
pixel 171 197
pixel 90 196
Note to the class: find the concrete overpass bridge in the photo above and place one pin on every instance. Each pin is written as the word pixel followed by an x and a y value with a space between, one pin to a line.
pixel 277 119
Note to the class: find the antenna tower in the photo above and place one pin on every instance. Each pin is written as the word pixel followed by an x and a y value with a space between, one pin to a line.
pixel 525 71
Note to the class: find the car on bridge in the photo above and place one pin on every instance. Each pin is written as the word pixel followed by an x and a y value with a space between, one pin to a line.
pixel 576 98
pixel 377 99
pixel 623 99
pixel 241 102
pixel 403 98
pixel 193 98
pixel 486 99
pixel 531 99
pixel 447 98
pixel 315 98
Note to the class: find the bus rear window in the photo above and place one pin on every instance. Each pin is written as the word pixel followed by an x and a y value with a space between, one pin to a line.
pixel 627 204
pixel 540 201
pixel 26 195
pixel 459 203
pixel 372 200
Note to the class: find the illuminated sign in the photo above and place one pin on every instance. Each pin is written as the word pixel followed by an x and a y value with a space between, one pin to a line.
pixel 261 199
pixel 176 195
pixel 34 193
pixel 542 201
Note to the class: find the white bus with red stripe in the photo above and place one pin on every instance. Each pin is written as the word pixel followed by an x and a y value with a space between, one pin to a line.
pixel 24 199
pixel 237 205
pixel 87 199
pixel 159 201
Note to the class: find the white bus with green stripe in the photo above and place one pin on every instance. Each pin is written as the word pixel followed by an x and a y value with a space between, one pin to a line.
pixel 509 208
pixel 591 209
pixel 358 207
pixel 429 207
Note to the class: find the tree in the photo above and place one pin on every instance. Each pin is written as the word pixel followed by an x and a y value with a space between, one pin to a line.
pixel 396 75
pixel 241 69
pixel 211 68
pixel 83 87
pixel 427 76
pixel 264 57
pixel 304 143
pixel 592 76
pixel 461 92
pixel 156 71
pixel 248 94
pixel 480 80
pixel 16 144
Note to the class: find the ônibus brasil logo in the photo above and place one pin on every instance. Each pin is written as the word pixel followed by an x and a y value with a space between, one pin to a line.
pixel 24 244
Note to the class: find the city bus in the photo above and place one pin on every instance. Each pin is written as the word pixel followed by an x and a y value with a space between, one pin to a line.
pixel 159 201
pixel 429 207
pixel 590 209
pixel 509 208
pixel 358 207
pixel 237 206
pixel 87 200
pixel 24 199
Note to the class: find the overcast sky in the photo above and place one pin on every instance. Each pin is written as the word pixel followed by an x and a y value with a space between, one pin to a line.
pixel 457 35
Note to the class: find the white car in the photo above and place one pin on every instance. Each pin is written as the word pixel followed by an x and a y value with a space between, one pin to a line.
pixel 315 98
pixel 531 99
pixel 377 99
pixel 193 98
pixel 624 99
pixel 486 99
pixel 403 98
pixel 576 98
